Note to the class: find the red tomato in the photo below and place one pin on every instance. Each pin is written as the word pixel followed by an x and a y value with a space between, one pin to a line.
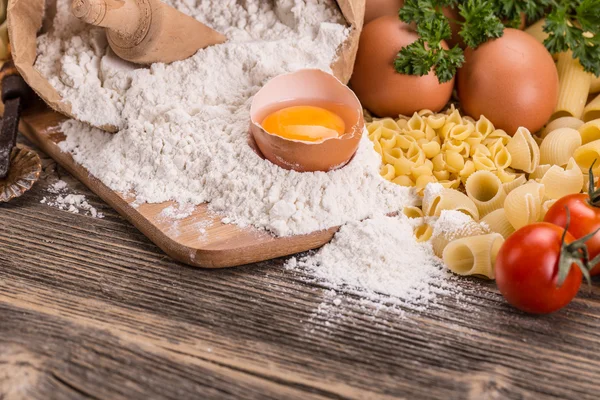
pixel 585 219
pixel 527 269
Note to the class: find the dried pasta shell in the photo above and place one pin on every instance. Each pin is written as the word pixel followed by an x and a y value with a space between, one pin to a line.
pixel 497 222
pixel 431 149
pixel 413 212
pixel 497 135
pixel 502 158
pixel 520 179
pixel 524 151
pixel 25 168
pixel 523 205
pixel 484 126
pixel 388 172
pixel 592 110
pixel 587 154
pixel 461 131
pixel 449 199
pixel 423 233
pixel 403 180
pixel 546 206
pixel 540 171
pixel 436 121
pixel 562 122
pixel 559 182
pixel 589 131
pixel 416 123
pixel 559 145
pixel 483 163
pixel 473 255
pixel 506 175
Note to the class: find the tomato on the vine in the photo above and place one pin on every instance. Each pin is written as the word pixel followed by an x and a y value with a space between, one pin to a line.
pixel 585 217
pixel 539 268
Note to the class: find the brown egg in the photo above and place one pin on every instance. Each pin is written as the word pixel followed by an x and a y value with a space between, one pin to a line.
pixel 511 80
pixel 381 89
pixel 309 87
pixel 378 8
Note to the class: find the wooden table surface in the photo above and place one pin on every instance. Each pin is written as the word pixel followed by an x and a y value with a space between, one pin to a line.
pixel 90 309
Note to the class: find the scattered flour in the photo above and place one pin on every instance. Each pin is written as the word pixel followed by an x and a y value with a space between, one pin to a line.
pixel 73 203
pixel 380 260
pixel 184 126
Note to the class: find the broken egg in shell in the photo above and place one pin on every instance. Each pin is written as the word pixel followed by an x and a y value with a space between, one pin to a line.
pixel 306 121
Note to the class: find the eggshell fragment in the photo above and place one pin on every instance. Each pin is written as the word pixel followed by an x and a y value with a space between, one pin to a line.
pixel 309 85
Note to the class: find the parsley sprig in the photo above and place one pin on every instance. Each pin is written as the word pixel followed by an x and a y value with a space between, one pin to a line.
pixel 571 25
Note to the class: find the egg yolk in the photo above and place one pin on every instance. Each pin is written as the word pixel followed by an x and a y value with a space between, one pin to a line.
pixel 306 123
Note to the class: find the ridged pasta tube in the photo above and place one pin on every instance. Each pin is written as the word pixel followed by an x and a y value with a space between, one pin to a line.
pixel 559 145
pixel 451 226
pixel 423 233
pixel 523 206
pixel 498 223
pixel 486 191
pixel 473 255
pixel 524 151
pixel 562 122
pixel 574 86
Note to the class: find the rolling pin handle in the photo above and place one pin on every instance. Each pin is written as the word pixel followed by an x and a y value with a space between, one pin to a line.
pixel 121 16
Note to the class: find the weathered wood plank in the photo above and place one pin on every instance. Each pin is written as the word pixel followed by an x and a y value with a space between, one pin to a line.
pixel 89 308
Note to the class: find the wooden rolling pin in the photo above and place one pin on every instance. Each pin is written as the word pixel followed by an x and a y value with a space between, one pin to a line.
pixel 147 31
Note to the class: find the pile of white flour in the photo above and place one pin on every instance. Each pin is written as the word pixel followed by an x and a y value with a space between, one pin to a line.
pixel 184 127
pixel 379 259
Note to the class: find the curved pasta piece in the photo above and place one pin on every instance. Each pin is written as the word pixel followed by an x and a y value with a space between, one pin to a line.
pixel 403 180
pixel 483 163
pixel 502 158
pixel 589 131
pixel 391 156
pixel 497 135
pixel 450 183
pixel 520 179
pixel 452 225
pixel 468 170
pixel 416 122
pixel 390 123
pixel 484 126
pixel 431 149
pixel 587 154
pixel 523 205
pixel 439 163
pixel 422 181
pixel 546 206
pixel 540 171
pixel 473 255
pixel 403 166
pixel 461 131
pixel 524 151
pixel 592 110
pixel 559 145
pixel 506 175
pixel 436 121
pixel 454 115
pixel 559 182
pixel 454 161
pixel 486 191
pixel 449 199
pixel 423 233
pixel 573 88
pixel 497 222
pixel 481 149
pixel 388 172
pixel 563 122
pixel 413 212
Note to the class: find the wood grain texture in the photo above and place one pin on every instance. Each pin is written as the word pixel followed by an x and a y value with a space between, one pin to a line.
pixel 220 245
pixel 91 309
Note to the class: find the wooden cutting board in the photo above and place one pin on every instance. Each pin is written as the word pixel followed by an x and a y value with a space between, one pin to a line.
pixel 218 246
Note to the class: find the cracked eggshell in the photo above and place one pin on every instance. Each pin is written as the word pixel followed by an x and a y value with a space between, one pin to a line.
pixel 312 86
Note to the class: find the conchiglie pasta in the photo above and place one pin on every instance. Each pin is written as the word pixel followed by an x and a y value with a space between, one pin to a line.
pixel 412 212
pixel 497 222
pixel 589 131
pixel 540 171
pixel 524 151
pixel 559 182
pixel 484 126
pixel 523 205
pixel 520 179
pixel 587 154
pixel 474 255
pixel 449 199
pixel 558 147
pixel 486 191
pixel 423 233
